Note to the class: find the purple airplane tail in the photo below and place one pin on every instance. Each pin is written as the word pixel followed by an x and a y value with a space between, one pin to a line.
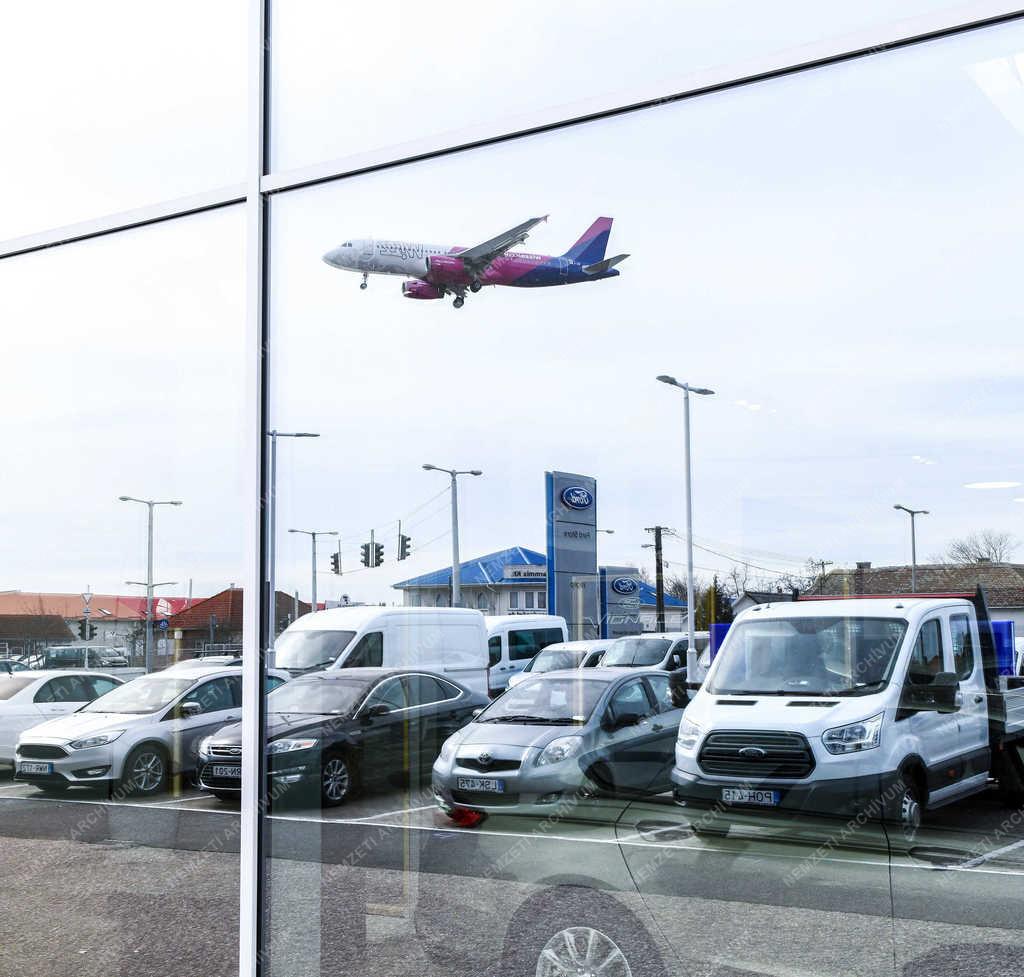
pixel 591 246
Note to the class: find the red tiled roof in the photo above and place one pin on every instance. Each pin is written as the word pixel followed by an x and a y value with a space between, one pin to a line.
pixel 108 607
pixel 227 607
pixel 1003 582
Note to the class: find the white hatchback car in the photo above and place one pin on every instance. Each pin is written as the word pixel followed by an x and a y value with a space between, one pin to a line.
pixel 136 736
pixel 28 698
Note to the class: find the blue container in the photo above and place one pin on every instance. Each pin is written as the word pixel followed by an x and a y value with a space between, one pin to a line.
pixel 718 633
pixel 1002 634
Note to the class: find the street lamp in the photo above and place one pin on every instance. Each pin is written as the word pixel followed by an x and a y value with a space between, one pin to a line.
pixel 691 649
pixel 272 526
pixel 312 534
pixel 913 542
pixel 150 504
pixel 454 473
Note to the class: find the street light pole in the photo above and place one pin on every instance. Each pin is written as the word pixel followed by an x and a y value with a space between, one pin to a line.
pixel 456 574
pixel 913 542
pixel 691 649
pixel 312 534
pixel 272 528
pixel 150 504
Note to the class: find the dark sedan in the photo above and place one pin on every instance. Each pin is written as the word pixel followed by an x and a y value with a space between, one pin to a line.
pixel 335 731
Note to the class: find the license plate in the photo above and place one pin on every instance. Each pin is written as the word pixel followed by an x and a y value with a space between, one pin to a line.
pixel 44 768
pixel 227 771
pixel 480 783
pixel 741 795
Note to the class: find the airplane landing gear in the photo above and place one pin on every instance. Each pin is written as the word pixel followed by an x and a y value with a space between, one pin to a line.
pixel 475 287
pixel 459 302
pixel 362 284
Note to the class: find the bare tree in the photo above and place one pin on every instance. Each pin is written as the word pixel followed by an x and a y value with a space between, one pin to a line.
pixel 986 544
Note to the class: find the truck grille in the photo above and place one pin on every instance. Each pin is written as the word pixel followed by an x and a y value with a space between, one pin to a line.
pixel 757 755
pixel 226 751
pixel 41 751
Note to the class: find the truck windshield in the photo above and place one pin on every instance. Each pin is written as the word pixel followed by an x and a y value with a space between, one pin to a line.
pixel 808 656
pixel 634 652
pixel 310 649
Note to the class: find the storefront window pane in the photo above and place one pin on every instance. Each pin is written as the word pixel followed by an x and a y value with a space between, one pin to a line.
pixel 123 377
pixel 345 84
pixel 832 254
pixel 117 106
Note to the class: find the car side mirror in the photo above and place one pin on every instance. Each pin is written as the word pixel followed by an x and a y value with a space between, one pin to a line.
pixel 939 695
pixel 376 711
pixel 476 712
pixel 677 690
pixel 190 710
pixel 611 722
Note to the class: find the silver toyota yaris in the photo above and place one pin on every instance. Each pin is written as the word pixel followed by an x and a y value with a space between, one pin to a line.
pixel 136 736
pixel 557 736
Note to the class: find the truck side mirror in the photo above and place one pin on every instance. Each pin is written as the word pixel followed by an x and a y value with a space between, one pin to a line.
pixel 939 695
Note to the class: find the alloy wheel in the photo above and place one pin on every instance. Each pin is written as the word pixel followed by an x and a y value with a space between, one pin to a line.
pixel 335 779
pixel 582 951
pixel 147 772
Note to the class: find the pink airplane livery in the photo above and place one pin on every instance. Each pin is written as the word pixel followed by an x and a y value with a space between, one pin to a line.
pixel 433 271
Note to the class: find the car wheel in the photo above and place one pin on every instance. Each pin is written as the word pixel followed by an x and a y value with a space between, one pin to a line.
pixel 337 779
pixel 571 931
pixel 908 809
pixel 145 771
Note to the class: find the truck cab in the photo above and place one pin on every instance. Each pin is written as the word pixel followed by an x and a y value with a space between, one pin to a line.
pixel 885 705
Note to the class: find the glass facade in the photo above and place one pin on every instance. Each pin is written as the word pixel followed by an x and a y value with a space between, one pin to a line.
pixel 278 686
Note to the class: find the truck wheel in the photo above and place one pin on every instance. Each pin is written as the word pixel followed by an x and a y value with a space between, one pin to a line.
pixel 1011 783
pixel 907 807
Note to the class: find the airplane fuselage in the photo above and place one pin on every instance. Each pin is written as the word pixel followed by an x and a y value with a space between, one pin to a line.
pixel 440 265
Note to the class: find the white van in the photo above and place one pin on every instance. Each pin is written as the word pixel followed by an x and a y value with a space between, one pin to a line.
pixel 513 640
pixel 447 640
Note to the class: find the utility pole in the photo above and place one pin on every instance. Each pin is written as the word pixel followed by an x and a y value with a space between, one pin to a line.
pixel 312 534
pixel 659 576
pixel 821 574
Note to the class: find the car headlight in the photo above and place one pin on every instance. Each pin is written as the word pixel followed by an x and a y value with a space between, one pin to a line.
pixel 855 737
pixel 290 746
pixel 449 745
pixel 204 746
pixel 689 736
pixel 561 749
pixel 101 739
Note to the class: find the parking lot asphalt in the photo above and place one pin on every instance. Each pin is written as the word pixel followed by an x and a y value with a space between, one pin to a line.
pixel 100 887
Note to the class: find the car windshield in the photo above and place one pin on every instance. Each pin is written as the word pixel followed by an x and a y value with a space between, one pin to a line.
pixel 12 686
pixel 310 649
pixel 318 697
pixel 146 694
pixel 552 659
pixel 808 656
pixel 558 701
pixel 633 652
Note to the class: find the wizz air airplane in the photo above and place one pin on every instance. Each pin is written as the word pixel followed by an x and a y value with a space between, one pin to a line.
pixel 433 271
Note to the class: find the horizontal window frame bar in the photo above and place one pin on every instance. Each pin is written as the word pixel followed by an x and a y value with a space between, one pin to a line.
pixel 125 220
pixel 849 47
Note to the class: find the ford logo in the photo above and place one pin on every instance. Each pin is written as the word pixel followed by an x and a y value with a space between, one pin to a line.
pixel 753 753
pixel 625 586
pixel 577 497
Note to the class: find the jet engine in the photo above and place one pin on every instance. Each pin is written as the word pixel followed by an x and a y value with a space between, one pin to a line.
pixel 447 269
pixel 414 289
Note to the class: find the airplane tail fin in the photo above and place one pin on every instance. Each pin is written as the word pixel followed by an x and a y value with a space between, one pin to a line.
pixel 600 267
pixel 591 246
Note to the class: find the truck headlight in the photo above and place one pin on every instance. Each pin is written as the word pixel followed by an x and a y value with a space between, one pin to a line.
pixel 855 737
pixel 561 749
pixel 689 736
pixel 101 739
pixel 289 746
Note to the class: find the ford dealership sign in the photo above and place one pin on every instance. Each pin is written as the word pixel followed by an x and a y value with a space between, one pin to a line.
pixel 577 497
pixel 625 586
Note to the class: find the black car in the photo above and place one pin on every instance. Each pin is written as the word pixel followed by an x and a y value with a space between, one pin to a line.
pixel 332 732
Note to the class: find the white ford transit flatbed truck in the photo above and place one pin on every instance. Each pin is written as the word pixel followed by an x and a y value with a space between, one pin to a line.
pixel 876 706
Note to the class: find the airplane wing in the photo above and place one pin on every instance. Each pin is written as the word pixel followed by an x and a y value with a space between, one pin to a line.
pixel 483 254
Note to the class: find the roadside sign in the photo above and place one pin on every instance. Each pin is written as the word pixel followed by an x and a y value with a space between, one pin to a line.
pixel 163 625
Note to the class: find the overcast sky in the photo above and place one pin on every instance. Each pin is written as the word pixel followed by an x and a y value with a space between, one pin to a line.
pixel 835 254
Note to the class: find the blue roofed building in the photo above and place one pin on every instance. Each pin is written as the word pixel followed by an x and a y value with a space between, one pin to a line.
pixel 514 581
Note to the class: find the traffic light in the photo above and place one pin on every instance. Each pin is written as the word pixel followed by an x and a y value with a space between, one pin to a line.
pixel 404 543
pixel 83 629
pixel 91 629
pixel 336 563
pixel 378 554
pixel 365 559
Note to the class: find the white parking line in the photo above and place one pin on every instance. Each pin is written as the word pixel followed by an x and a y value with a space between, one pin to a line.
pixel 390 814
pixel 988 856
